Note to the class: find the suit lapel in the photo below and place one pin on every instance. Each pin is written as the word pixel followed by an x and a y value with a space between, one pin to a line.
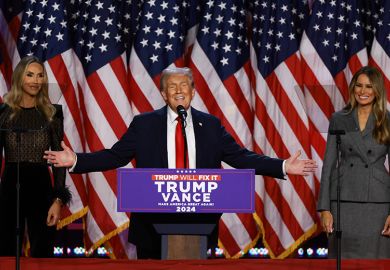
pixel 369 125
pixel 198 132
pixel 357 136
pixel 162 138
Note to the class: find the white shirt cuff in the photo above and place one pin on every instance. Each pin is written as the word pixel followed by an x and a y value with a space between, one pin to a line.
pixel 74 164
pixel 284 167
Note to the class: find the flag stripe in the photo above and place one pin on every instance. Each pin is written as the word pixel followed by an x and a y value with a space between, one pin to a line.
pixel 210 101
pixel 137 96
pixel 231 85
pixel 106 104
pixel 60 71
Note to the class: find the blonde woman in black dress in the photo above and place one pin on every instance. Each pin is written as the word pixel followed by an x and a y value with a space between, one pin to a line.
pixel 27 107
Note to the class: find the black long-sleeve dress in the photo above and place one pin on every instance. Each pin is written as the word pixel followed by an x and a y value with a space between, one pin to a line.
pixel 37 189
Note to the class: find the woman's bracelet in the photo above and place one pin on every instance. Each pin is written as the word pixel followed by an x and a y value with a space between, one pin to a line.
pixel 58 200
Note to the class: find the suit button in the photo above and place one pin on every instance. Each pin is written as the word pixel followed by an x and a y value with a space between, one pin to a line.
pixel 351 165
pixel 366 166
pixel 369 151
pixel 350 149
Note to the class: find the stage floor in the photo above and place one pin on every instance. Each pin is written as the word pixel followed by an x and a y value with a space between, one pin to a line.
pixel 8 263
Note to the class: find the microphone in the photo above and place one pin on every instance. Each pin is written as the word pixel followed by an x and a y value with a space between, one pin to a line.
pixel 182 113
pixel 337 132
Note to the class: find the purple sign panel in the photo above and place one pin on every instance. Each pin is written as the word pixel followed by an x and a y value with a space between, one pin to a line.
pixel 186 190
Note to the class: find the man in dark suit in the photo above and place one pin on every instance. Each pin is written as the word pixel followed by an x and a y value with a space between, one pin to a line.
pixel 150 140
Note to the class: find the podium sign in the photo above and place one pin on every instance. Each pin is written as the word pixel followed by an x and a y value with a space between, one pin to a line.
pixel 186 190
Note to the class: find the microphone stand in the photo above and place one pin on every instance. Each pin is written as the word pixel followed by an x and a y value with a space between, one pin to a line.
pixel 183 131
pixel 18 131
pixel 338 191
pixel 18 233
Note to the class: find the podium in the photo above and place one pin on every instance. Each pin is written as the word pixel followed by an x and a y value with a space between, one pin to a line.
pixel 184 241
pixel 192 193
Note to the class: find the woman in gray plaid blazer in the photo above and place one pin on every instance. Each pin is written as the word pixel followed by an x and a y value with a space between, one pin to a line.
pixel 365 182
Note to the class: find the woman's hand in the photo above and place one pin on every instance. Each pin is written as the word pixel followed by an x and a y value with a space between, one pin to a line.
pixel 386 228
pixel 54 214
pixel 327 221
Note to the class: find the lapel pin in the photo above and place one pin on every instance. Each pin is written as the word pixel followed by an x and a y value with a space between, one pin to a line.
pixel 200 124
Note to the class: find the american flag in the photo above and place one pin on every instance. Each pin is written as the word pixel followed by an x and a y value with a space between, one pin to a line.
pixel 103 94
pixel 273 85
pixel 10 13
pixel 285 210
pixel 333 48
pixel 380 50
pixel 158 43
pixel 220 62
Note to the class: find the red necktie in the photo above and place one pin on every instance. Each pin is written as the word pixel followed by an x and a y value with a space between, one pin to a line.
pixel 179 142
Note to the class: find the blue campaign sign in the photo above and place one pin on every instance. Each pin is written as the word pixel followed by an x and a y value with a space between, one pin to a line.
pixel 186 190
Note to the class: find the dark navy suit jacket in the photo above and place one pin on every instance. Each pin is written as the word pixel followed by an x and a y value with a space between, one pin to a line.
pixel 146 142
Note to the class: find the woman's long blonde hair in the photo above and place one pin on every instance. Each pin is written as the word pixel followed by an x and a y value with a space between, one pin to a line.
pixel 381 132
pixel 14 97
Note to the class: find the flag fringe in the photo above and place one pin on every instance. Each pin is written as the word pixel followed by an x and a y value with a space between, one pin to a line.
pixel 287 252
pixel 72 217
pixel 107 237
pixel 245 250
pixel 111 254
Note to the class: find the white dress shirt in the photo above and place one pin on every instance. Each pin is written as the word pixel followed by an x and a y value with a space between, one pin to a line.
pixel 171 147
